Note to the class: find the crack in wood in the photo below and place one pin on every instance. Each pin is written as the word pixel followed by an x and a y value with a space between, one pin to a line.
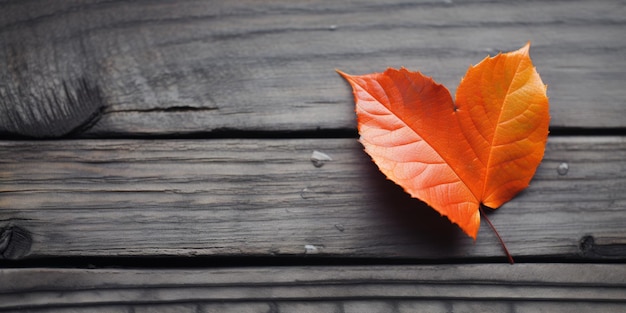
pixel 171 109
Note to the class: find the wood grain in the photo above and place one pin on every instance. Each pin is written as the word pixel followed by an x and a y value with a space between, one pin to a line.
pixel 250 69
pixel 194 67
pixel 438 288
pixel 267 198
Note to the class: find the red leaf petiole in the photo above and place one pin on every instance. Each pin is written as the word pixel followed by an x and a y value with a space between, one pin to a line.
pixel 508 255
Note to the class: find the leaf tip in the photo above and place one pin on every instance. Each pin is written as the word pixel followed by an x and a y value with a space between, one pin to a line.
pixel 473 230
pixel 349 78
pixel 342 73
pixel 525 49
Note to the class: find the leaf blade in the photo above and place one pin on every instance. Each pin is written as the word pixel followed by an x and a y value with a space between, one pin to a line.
pixel 482 151
pixel 396 111
pixel 514 130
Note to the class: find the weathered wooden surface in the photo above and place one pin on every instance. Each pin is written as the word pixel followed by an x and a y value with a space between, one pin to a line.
pixel 185 67
pixel 437 288
pixel 266 198
pixel 263 70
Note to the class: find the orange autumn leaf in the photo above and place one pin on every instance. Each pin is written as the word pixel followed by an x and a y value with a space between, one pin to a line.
pixel 482 149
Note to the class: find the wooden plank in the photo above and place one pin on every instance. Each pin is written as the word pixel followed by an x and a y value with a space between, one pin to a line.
pixel 152 67
pixel 267 198
pixel 429 288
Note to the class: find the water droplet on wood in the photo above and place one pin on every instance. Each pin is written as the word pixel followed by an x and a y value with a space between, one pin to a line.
pixel 319 158
pixel 310 249
pixel 305 193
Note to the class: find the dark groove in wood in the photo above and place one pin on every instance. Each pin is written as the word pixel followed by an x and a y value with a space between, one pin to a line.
pixel 228 133
pixel 278 261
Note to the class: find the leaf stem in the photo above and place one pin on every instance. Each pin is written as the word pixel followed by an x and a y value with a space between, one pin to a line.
pixel 508 255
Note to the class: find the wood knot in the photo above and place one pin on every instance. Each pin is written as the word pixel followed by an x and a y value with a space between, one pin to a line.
pixel 15 242
pixel 40 100
pixel 585 245
pixel 606 249
pixel 66 109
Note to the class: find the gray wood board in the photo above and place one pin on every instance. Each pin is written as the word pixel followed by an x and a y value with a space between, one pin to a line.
pixel 267 198
pixel 436 288
pixel 194 66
